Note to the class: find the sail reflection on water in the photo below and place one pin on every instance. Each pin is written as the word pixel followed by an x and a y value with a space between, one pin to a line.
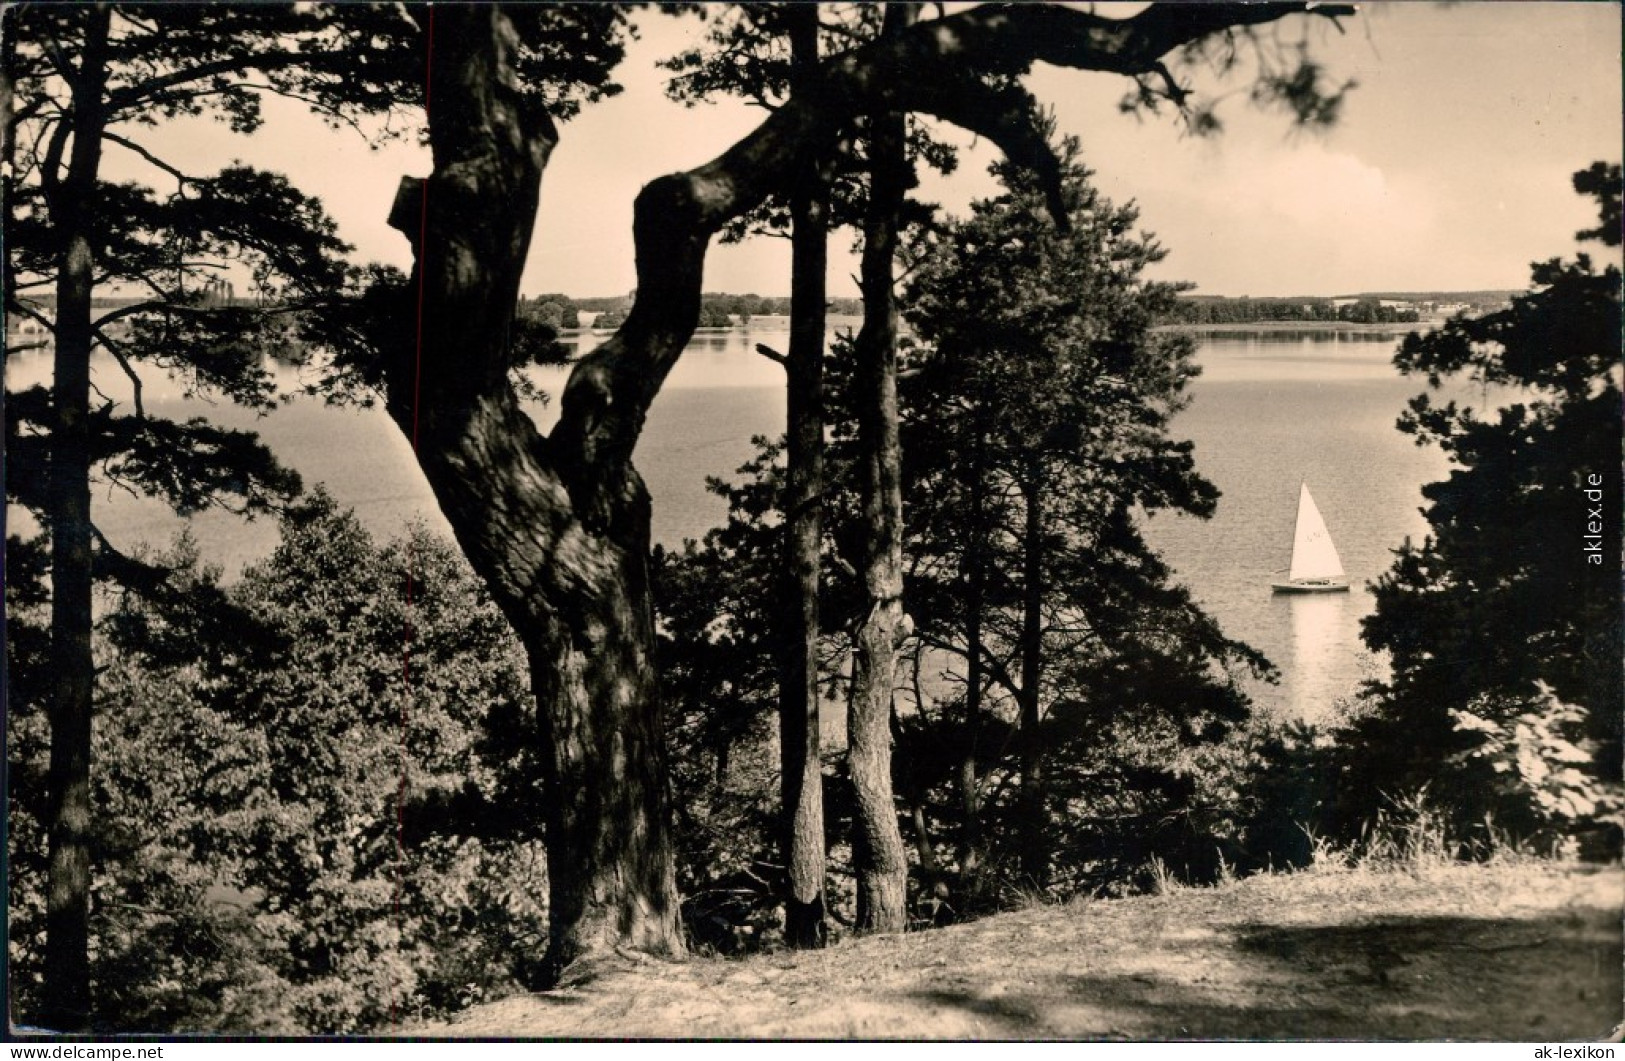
pixel 1316 672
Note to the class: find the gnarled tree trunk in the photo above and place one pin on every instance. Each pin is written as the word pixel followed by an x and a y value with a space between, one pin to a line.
pixel 560 533
pixel 877 845
pixel 558 525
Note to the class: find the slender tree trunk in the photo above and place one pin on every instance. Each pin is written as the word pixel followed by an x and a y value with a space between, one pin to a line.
pixel 67 903
pixel 972 853
pixel 1034 830
pixel 801 759
pixel 559 532
pixel 877 844
pixel 972 850
pixel 917 791
pixel 8 153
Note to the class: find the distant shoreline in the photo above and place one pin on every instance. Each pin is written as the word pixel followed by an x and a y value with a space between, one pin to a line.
pixel 1239 327
pixel 1301 326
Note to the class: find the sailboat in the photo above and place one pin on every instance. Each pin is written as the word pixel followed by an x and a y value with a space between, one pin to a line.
pixel 1315 566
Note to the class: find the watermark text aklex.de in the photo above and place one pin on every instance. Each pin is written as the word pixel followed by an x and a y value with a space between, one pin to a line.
pixel 1593 526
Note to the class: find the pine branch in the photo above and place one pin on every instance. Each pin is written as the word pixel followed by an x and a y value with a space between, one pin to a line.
pixel 117 351
pixel 130 145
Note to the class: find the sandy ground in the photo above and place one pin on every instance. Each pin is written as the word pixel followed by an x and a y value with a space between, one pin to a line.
pixel 1530 952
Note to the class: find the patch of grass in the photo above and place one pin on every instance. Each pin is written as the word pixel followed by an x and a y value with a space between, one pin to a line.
pixel 1411 834
pixel 1501 848
pixel 1026 896
pixel 1324 856
pixel 1163 880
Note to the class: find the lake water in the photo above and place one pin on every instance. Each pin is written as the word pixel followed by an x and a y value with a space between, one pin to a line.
pixel 1271 409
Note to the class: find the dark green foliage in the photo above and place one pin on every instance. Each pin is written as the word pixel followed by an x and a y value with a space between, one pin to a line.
pixel 1039 401
pixel 352 326
pixel 86 81
pixel 1601 181
pixel 557 312
pixel 27 684
pixel 194 465
pixel 1284 778
pixel 363 59
pixel 1504 625
pixel 250 796
pixel 1034 373
pixel 747 54
pixel 719 672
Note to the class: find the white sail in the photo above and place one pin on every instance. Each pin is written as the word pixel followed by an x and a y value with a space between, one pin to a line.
pixel 1313 554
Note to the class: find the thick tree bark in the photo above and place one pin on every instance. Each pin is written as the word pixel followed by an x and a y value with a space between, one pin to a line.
pixel 1033 831
pixel 67 932
pixel 558 526
pixel 561 539
pixel 877 844
pixel 801 759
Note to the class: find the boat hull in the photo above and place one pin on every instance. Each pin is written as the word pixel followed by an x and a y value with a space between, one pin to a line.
pixel 1310 586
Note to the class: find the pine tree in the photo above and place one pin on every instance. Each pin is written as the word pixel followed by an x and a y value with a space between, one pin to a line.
pixel 83 82
pixel 1503 626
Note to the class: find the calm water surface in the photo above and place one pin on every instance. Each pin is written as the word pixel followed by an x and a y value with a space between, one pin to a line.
pixel 1269 411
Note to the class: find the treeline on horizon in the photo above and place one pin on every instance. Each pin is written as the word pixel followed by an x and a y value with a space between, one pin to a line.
pixel 722 310
pixel 717 310
pixel 1372 308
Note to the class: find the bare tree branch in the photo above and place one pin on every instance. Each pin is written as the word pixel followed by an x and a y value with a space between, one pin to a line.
pixel 771 354
pixel 16 306
pixel 51 165
pixel 59 59
pixel 130 145
pixel 117 351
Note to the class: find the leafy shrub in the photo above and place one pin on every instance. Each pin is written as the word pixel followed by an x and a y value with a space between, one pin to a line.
pixel 1487 608
pixel 1531 761
pixel 316 802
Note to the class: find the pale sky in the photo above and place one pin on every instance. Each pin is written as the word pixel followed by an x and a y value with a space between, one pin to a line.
pixel 1449 170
